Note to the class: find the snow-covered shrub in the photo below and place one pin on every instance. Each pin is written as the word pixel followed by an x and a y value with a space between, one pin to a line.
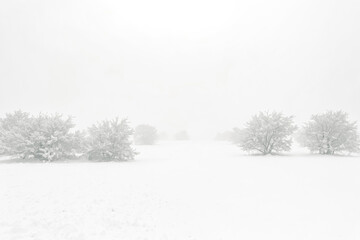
pixel 266 133
pixel 43 137
pixel 12 132
pixel 110 140
pixel 145 135
pixel 329 133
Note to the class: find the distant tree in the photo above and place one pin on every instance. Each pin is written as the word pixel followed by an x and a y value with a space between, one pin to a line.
pixel 266 133
pixel 145 135
pixel 163 135
pixel 110 141
pixel 182 135
pixel 329 133
pixel 44 137
pixel 224 136
pixel 237 135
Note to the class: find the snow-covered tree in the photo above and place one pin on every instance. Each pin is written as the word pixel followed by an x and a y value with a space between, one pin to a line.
pixel 330 133
pixel 266 133
pixel 224 136
pixel 145 135
pixel 110 140
pixel 13 132
pixel 237 135
pixel 43 137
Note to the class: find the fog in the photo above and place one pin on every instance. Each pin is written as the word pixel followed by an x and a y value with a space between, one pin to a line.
pixel 202 66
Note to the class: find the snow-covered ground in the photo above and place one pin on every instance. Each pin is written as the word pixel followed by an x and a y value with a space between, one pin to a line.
pixel 183 191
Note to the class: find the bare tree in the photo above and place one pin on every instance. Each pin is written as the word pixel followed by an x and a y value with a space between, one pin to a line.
pixel 329 133
pixel 266 133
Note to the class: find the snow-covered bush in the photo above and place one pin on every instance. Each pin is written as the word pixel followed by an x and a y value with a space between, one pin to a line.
pixel 13 128
pixel 43 137
pixel 110 140
pixel 266 133
pixel 329 133
pixel 145 135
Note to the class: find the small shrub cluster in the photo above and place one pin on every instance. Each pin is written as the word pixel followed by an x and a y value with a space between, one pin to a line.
pixel 52 137
pixel 327 133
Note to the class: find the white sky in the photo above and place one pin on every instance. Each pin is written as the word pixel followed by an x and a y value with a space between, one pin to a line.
pixel 204 66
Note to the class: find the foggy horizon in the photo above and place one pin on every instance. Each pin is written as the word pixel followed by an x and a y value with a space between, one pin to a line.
pixel 198 66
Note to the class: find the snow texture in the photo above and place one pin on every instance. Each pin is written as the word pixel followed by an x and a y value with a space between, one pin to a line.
pixel 183 191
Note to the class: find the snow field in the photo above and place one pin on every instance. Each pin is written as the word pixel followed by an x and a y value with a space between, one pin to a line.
pixel 183 190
